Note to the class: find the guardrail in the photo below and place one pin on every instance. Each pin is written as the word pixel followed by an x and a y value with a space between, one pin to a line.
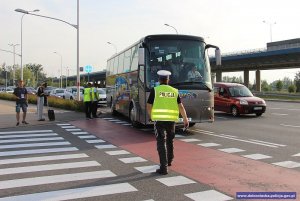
pixel 276 94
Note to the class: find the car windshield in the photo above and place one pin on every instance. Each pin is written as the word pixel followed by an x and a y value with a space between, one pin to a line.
pixel 60 91
pixel 240 91
pixel 184 59
pixel 101 91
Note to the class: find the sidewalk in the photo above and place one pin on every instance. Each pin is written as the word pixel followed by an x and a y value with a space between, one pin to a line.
pixel 8 115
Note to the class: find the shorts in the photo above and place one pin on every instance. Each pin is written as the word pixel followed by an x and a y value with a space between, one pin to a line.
pixel 21 105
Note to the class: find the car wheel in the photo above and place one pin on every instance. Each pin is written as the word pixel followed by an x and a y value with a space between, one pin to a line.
pixel 258 114
pixel 235 111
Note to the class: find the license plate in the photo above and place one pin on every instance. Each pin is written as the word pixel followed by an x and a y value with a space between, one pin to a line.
pixel 257 108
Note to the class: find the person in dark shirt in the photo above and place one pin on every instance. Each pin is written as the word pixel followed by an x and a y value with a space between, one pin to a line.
pixel 40 101
pixel 21 102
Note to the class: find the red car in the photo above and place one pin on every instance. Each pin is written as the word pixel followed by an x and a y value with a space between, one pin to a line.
pixel 237 99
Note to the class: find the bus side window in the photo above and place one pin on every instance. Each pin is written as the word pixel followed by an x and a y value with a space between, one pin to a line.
pixel 142 73
pixel 134 56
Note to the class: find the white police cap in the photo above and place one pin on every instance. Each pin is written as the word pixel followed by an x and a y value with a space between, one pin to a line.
pixel 163 73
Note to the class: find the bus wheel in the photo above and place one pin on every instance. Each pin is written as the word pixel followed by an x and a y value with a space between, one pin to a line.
pixel 132 117
pixel 112 108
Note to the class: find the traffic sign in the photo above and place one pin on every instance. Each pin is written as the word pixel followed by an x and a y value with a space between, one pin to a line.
pixel 88 68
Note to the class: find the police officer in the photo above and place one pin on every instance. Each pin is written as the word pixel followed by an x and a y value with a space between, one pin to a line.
pixel 87 99
pixel 95 98
pixel 164 106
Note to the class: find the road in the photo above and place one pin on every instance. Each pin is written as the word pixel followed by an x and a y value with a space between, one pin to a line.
pixel 107 159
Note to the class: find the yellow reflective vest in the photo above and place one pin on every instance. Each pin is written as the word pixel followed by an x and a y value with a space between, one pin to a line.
pixel 165 106
pixel 95 95
pixel 87 95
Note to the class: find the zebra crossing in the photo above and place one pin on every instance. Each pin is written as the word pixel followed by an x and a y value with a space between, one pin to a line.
pixel 36 158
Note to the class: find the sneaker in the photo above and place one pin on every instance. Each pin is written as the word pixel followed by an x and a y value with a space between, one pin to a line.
pixel 17 124
pixel 25 122
pixel 162 171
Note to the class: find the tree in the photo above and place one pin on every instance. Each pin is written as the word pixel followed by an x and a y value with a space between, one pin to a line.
pixel 297 81
pixel 265 86
pixel 37 71
pixel 292 88
pixel 279 85
pixel 233 79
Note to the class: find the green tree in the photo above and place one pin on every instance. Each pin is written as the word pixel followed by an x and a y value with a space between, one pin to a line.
pixel 292 88
pixel 265 86
pixel 279 85
pixel 297 81
pixel 232 79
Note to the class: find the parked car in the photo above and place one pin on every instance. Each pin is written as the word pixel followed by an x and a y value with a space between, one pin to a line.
pixel 71 93
pixel 48 90
pixel 237 99
pixel 58 92
pixel 102 97
pixel 31 90
pixel 6 90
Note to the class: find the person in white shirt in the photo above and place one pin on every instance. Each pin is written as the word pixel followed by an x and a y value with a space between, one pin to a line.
pixel 194 74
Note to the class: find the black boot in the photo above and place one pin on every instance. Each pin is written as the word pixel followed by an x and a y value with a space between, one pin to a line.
pixel 162 170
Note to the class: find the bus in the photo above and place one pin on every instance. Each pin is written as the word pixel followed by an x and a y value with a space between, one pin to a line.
pixel 131 74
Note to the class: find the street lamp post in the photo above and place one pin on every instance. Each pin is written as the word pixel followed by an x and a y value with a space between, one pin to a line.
pixel 25 12
pixel 172 27
pixel 67 75
pixel 73 25
pixel 270 24
pixel 60 68
pixel 116 49
pixel 14 66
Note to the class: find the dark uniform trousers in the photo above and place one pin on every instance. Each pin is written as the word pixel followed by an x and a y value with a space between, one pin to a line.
pixel 165 133
pixel 88 109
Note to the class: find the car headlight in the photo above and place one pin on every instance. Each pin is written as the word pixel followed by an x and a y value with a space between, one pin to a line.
pixel 243 102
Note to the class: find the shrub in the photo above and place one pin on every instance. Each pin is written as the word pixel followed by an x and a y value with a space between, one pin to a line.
pixel 292 88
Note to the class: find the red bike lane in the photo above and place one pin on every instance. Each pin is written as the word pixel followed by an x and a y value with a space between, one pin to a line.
pixel 226 172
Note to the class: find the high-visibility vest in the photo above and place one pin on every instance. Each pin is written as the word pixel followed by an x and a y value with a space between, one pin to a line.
pixel 87 95
pixel 95 95
pixel 165 106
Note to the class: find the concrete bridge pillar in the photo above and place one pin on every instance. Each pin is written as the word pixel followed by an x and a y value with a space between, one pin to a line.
pixel 258 81
pixel 246 78
pixel 219 76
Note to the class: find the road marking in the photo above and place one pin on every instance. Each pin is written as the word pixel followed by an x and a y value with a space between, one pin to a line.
pixel 73 129
pixel 175 181
pixel 27 135
pixel 204 131
pixel 227 135
pixel 257 156
pixel 113 120
pixel 63 124
pixel 209 144
pixel 32 131
pixel 32 140
pixel 279 114
pixel 210 195
pixel 107 118
pixel 119 152
pixel 105 146
pixel 79 133
pixel 297 154
pixel 95 141
pixel 76 193
pixel 288 164
pixel 280 145
pixel 34 145
pixel 284 109
pixel 68 127
pixel 286 125
pixel 87 137
pixel 40 168
pixel 147 169
pixel 132 160
pixel 42 158
pixel 231 150
pixel 37 151
pixel 221 117
pixel 126 124
pixel 179 136
pixel 6 184
pixel 236 139
pixel 190 140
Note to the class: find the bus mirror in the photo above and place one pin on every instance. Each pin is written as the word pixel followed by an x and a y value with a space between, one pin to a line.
pixel 218 57
pixel 141 56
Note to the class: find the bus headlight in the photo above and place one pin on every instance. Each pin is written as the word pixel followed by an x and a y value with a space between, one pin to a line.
pixel 243 102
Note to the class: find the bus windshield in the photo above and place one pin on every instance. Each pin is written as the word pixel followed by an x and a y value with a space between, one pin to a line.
pixel 185 59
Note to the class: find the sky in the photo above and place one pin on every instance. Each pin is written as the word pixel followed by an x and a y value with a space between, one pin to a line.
pixel 233 25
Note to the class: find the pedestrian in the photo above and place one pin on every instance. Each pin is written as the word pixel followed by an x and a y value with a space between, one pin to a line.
pixel 95 98
pixel 87 99
pixel 163 107
pixel 40 101
pixel 21 102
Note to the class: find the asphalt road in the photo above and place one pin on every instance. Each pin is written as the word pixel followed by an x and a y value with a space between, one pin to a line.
pixel 107 159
